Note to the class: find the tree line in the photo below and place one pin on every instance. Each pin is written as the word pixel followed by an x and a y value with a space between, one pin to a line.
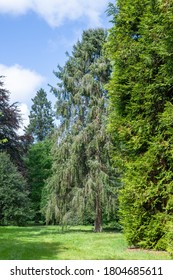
pixel 109 158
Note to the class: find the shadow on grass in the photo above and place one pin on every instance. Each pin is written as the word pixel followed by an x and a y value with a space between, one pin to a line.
pixel 49 243
pixel 112 230
pixel 48 231
pixel 26 250
pixel 28 243
pixel 35 231
pixel 22 243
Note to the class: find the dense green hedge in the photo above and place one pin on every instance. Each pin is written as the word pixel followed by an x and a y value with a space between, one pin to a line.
pixel 141 118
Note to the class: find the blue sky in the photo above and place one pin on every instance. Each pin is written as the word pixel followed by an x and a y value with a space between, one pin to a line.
pixel 35 34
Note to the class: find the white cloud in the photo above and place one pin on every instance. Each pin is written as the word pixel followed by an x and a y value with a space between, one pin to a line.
pixel 55 12
pixel 22 84
pixel 15 7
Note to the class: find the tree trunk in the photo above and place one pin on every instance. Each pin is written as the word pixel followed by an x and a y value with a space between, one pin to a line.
pixel 98 218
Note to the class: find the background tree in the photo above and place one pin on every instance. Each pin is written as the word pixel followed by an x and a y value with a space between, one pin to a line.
pixel 38 162
pixel 140 119
pixel 82 173
pixel 41 117
pixel 14 201
pixel 10 119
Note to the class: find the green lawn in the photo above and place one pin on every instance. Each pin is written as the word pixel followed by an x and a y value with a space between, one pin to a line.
pixel 76 243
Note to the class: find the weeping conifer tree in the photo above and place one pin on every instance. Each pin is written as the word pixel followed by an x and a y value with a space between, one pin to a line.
pixel 83 182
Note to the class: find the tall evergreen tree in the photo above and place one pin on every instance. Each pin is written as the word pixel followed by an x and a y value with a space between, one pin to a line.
pixel 140 120
pixel 41 117
pixel 82 173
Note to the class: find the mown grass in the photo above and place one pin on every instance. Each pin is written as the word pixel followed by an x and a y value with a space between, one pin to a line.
pixel 75 243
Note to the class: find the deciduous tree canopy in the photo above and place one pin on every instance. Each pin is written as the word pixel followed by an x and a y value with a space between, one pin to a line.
pixel 14 200
pixel 38 162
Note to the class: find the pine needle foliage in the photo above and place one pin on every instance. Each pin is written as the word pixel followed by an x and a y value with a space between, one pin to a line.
pixel 140 118
pixel 84 185
pixel 41 117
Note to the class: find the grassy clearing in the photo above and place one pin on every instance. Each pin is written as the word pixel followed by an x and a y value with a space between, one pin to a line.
pixel 76 243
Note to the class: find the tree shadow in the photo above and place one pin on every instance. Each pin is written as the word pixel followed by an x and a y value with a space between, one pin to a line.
pixel 47 230
pixel 29 250
pixel 112 230
pixel 22 243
